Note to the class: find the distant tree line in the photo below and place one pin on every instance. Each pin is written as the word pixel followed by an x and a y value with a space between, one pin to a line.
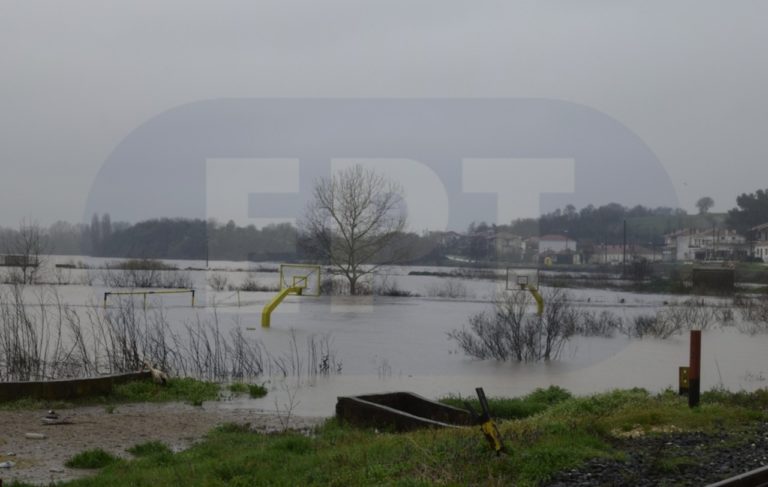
pixel 197 239
pixel 180 238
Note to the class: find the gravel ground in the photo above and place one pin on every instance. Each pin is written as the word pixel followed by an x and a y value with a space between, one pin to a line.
pixel 684 459
pixel 178 425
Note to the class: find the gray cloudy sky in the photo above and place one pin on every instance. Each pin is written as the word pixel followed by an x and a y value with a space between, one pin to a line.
pixel 77 77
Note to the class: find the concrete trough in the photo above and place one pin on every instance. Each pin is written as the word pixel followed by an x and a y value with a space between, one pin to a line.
pixel 399 411
pixel 66 389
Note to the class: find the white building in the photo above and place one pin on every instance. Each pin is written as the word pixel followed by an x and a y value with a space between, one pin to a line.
pixel 555 244
pixel 508 245
pixel 712 244
pixel 760 242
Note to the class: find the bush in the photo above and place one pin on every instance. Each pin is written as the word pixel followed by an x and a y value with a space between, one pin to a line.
pixel 390 288
pixel 96 458
pixel 603 324
pixel 754 313
pixel 677 318
pixel 510 332
pixel 257 390
pixel 652 326
pixel 332 285
pixel 145 273
pixel 252 285
pixel 449 288
pixel 218 281
pixel 691 314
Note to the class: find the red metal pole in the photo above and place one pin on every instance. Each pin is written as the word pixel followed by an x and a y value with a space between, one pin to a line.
pixel 694 371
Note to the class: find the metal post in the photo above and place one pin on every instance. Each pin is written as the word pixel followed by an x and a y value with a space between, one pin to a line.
pixel 624 253
pixel 683 383
pixel 694 370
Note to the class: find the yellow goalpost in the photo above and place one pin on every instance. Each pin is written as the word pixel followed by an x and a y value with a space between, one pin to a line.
pixel 145 293
pixel 298 279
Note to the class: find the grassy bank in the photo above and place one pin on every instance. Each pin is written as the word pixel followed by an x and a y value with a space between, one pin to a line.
pixel 178 389
pixel 553 432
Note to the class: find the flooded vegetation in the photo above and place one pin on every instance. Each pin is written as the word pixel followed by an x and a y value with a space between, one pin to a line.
pixel 438 329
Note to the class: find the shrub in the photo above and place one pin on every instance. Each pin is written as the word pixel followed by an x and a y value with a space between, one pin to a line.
pixel 510 332
pixel 603 324
pixel 218 281
pixel 754 313
pixel 390 288
pixel 332 285
pixel 449 288
pixel 257 390
pixel 145 273
pixel 656 326
pixel 252 285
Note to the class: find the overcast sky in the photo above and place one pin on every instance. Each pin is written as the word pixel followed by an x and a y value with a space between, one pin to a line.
pixel 689 78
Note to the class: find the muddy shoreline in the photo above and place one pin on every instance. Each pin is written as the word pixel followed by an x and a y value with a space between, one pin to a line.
pixel 41 461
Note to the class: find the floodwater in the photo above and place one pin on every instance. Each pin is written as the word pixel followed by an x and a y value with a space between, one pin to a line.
pixel 402 343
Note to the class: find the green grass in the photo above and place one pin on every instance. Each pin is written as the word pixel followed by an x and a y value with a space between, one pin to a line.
pixel 514 408
pixel 254 390
pixel 238 388
pixel 181 389
pixel 149 448
pixel 558 432
pixel 91 459
pixel 257 390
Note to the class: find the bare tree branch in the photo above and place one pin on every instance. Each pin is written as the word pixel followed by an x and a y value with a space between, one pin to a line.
pixel 356 215
pixel 25 250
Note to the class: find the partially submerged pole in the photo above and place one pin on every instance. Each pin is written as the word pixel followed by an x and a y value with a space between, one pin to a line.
pixel 694 370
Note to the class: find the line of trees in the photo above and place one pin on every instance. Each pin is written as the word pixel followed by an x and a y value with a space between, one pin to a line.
pixel 319 237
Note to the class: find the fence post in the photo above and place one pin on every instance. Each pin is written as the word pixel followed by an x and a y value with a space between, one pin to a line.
pixel 694 370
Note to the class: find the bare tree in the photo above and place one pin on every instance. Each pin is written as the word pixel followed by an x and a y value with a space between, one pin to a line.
pixel 355 221
pixel 25 249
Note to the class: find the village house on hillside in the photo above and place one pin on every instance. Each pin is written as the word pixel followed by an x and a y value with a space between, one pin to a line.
pixel 556 243
pixel 699 245
pixel 558 249
pixel 760 242
pixel 509 245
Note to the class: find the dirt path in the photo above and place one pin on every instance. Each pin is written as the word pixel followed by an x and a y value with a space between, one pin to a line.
pixel 177 425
